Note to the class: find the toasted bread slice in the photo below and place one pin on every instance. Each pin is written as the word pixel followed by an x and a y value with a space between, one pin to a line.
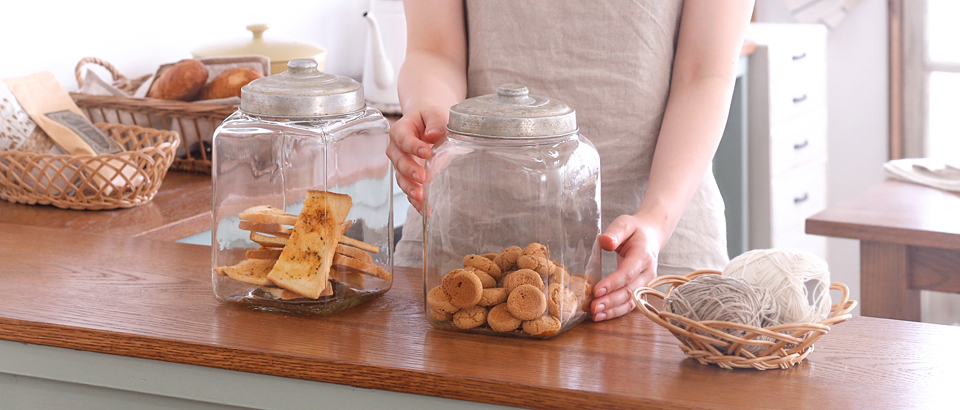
pixel 370 269
pixel 267 240
pixel 348 276
pixel 265 228
pixel 252 271
pixel 346 240
pixel 264 253
pixel 267 214
pixel 304 264
pixel 354 253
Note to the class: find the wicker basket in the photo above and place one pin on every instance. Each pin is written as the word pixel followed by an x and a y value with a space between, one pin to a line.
pixel 194 121
pixel 782 347
pixel 81 182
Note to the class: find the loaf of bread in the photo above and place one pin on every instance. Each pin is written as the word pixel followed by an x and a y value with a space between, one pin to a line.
pixel 182 81
pixel 229 83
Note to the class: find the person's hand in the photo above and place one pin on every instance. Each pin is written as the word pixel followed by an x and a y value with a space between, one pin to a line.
pixel 637 243
pixel 411 139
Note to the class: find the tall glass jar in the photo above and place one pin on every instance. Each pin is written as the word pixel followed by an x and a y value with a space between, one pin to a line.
pixel 511 215
pixel 302 202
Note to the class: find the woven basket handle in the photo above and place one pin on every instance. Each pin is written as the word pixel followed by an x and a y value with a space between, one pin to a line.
pixel 117 77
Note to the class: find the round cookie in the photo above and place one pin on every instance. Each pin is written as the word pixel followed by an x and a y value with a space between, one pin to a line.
pixel 526 302
pixel 483 264
pixel 522 277
pixel 493 296
pixel 507 260
pixel 535 263
pixel 584 277
pixel 558 273
pixel 463 288
pixel 536 249
pixel 470 318
pixel 486 280
pixel 500 319
pixel 439 301
pixel 581 289
pixel 490 256
pixel 554 298
pixel 441 316
pixel 544 326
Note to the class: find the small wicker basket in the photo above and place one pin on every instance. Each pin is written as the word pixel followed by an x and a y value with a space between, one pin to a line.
pixel 780 346
pixel 194 121
pixel 122 180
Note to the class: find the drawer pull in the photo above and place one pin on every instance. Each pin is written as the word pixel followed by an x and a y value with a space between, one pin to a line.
pixel 799 56
pixel 801 199
pixel 799 99
pixel 801 145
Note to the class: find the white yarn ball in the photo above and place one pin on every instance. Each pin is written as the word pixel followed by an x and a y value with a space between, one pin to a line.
pixel 785 274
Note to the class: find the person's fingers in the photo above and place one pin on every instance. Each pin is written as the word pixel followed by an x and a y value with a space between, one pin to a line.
pixel 406 135
pixel 614 312
pixel 406 165
pixel 621 295
pixel 617 233
pixel 409 187
pixel 418 205
pixel 434 125
pixel 634 263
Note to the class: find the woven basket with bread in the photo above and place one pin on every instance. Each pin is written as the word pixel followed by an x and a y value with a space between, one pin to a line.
pixel 190 97
pixel 123 180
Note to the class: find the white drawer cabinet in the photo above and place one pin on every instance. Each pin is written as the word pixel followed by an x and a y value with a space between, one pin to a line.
pixel 787 134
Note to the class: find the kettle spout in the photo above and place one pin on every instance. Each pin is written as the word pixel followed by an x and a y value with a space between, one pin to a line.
pixel 383 72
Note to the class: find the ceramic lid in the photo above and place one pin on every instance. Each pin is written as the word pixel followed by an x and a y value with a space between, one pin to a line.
pixel 512 113
pixel 276 50
pixel 301 92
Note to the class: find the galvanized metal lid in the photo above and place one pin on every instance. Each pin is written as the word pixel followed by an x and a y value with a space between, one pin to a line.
pixel 300 92
pixel 512 113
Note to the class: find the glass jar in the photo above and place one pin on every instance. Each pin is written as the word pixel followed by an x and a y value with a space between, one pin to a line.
pixel 302 196
pixel 511 218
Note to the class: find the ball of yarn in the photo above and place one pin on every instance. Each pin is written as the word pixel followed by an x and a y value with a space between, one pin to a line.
pixel 798 281
pixel 714 297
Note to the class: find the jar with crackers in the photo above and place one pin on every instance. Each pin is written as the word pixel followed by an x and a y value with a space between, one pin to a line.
pixel 512 215
pixel 302 201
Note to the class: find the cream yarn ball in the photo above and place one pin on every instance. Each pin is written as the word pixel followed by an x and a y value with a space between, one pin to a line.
pixel 798 281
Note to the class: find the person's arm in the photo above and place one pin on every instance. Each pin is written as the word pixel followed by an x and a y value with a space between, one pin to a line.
pixel 704 69
pixel 433 78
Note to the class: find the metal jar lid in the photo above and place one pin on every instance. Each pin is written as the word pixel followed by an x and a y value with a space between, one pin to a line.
pixel 301 92
pixel 512 113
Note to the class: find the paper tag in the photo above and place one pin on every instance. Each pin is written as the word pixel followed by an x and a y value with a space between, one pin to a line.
pixel 79 124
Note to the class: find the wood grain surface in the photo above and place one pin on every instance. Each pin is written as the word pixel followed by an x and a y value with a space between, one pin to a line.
pixel 894 212
pixel 153 300
pixel 181 208
pixel 884 282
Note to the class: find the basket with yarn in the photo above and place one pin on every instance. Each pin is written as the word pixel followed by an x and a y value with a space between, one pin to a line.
pixel 764 311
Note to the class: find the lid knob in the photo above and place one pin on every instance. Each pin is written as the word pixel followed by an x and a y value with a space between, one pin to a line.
pixel 257 30
pixel 512 90
pixel 302 66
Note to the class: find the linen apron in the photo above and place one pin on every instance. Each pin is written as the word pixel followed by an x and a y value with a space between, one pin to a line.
pixel 611 61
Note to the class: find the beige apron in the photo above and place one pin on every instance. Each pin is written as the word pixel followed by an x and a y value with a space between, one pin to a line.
pixel 611 61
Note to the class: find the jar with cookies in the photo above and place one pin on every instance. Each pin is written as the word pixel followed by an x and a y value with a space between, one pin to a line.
pixel 302 196
pixel 511 218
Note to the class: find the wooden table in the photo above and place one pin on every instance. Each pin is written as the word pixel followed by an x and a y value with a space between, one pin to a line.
pixel 181 208
pixel 909 240
pixel 152 300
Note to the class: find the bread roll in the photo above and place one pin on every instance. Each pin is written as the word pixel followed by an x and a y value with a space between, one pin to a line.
pixel 228 83
pixel 182 81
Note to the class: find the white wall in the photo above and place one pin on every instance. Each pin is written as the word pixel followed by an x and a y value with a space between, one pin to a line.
pixel 137 36
pixel 857 119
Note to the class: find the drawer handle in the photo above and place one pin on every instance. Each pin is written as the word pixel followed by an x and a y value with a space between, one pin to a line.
pixel 801 145
pixel 799 99
pixel 801 199
pixel 799 56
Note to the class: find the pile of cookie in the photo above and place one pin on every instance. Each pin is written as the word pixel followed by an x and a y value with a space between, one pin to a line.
pixel 517 290
pixel 303 256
